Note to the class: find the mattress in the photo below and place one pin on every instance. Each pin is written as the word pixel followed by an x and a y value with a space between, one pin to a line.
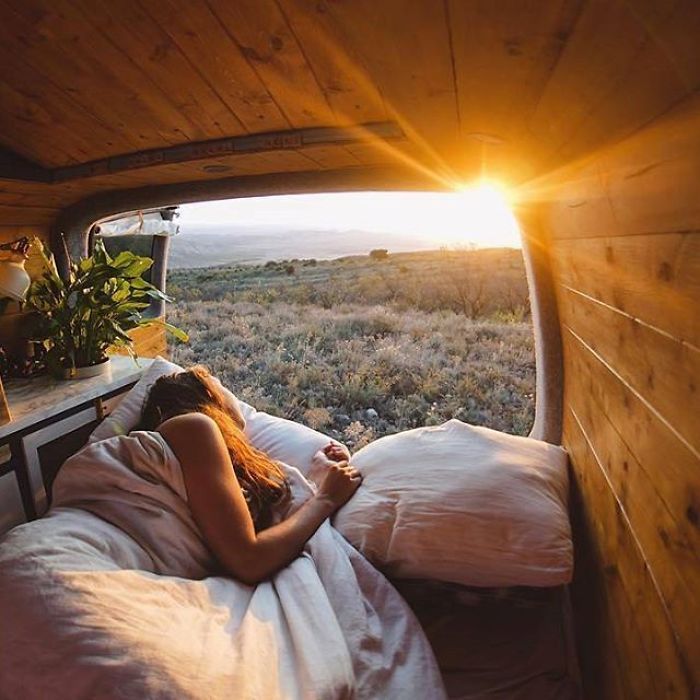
pixel 514 643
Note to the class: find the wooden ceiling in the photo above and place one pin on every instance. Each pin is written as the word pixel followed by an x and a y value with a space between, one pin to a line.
pixel 503 88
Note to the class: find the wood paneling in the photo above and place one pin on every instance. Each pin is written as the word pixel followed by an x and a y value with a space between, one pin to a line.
pixel 34 128
pixel 595 54
pixel 594 100
pixel 653 278
pixel 625 250
pixel 152 48
pixel 480 88
pixel 13 192
pixel 201 37
pixel 642 185
pixel 514 53
pixel 62 49
pixel 615 75
pixel 669 464
pixel 657 367
pixel 23 215
pixel 331 158
pixel 261 32
pixel 149 341
pixel 393 39
pixel 649 664
pixel 338 69
pixel 12 233
pixel 655 503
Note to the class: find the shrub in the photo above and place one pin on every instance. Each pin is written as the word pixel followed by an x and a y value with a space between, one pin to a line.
pixel 414 368
pixel 327 343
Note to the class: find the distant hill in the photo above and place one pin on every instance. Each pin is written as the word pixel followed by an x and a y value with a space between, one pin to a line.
pixel 207 246
pixel 472 282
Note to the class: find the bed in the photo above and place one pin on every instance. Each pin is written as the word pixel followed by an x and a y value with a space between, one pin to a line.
pixel 114 594
pixel 112 613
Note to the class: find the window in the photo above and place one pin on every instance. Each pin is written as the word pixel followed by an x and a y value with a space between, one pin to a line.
pixel 143 233
pixel 359 314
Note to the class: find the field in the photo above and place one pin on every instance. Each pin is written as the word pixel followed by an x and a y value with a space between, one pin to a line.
pixel 361 347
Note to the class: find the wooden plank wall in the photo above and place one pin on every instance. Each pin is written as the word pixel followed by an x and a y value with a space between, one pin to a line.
pixel 149 342
pixel 624 237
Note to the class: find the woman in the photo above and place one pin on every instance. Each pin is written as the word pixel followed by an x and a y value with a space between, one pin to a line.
pixel 232 488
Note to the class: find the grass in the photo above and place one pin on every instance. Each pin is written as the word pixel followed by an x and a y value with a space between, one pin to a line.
pixel 359 348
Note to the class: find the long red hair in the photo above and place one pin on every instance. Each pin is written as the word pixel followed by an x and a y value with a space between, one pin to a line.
pixel 195 391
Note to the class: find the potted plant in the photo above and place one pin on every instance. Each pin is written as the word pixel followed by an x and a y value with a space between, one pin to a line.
pixel 79 319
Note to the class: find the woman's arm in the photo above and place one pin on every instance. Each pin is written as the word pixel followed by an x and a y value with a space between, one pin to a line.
pixel 220 510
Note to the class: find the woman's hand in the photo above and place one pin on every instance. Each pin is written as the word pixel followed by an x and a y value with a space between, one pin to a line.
pixel 332 453
pixel 336 452
pixel 339 484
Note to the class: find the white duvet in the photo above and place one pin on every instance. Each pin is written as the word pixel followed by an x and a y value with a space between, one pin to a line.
pixel 111 596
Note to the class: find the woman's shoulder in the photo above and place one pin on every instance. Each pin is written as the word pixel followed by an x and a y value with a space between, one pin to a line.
pixel 197 443
pixel 188 421
pixel 189 430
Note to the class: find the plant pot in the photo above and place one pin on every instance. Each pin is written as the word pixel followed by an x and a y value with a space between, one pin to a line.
pixel 86 372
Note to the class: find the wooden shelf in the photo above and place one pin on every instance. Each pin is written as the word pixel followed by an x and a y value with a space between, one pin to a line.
pixel 34 400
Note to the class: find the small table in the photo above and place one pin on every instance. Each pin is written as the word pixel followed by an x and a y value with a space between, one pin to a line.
pixel 51 419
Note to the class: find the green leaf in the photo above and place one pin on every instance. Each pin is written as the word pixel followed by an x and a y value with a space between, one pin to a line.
pixel 157 295
pixel 138 267
pixel 121 294
pixel 123 259
pixel 174 330
pixel 119 332
pixel 132 306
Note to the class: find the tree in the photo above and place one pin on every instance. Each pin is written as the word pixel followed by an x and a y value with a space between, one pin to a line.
pixel 468 285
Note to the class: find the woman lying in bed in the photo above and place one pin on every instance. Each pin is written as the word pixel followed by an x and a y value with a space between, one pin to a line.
pixel 232 488
pixel 116 590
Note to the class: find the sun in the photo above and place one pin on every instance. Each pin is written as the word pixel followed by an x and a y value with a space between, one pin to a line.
pixel 478 214
pixel 486 214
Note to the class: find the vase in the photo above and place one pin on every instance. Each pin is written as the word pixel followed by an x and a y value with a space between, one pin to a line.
pixel 89 371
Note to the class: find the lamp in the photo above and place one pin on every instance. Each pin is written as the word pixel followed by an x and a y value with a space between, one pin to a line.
pixel 14 280
pixel 14 284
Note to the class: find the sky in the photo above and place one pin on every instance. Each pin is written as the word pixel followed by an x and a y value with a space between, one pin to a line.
pixel 479 215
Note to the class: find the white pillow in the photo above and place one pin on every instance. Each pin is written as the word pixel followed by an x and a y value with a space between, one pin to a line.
pixel 127 414
pixel 281 439
pixel 462 504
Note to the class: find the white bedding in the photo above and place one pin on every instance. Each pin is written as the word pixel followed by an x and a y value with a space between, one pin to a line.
pixel 465 504
pixel 110 596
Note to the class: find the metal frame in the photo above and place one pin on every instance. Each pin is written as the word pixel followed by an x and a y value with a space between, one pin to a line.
pixel 31 443
pixel 25 443
pixel 15 167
